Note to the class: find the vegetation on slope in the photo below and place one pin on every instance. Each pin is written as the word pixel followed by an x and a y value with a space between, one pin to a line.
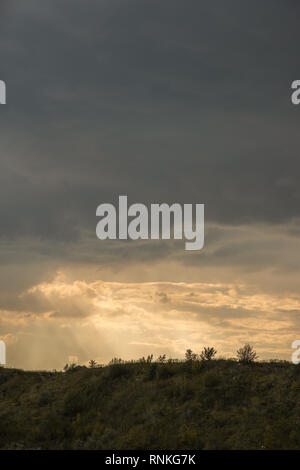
pixel 196 404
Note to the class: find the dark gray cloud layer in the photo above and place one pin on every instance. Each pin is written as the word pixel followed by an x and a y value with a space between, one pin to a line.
pixel 164 101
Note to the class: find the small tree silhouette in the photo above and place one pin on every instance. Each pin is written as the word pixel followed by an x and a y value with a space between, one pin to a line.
pixel 92 363
pixel 246 354
pixel 162 358
pixel 190 356
pixel 207 354
pixel 115 360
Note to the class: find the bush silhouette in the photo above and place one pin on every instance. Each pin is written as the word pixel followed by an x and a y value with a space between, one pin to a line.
pixel 207 354
pixel 190 355
pixel 246 354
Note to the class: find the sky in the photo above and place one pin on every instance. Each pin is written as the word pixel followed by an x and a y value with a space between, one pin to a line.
pixel 173 101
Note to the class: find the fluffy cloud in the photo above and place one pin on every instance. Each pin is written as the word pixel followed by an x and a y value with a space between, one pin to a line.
pixel 123 316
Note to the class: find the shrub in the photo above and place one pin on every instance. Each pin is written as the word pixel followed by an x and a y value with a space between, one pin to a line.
pixel 207 354
pixel 246 354
pixel 164 371
pixel 190 356
pixel 116 360
pixel 197 367
pixel 162 358
pixel 211 380
pixel 74 402
pixel 152 371
pixel 116 371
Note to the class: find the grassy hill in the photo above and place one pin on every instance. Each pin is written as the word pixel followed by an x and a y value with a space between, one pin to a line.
pixel 218 404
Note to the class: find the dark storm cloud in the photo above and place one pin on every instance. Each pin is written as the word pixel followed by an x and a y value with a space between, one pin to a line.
pixel 163 101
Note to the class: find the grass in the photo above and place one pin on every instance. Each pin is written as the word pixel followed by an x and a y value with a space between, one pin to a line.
pixel 218 404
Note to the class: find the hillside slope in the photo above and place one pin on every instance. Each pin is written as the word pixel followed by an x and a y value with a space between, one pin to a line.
pixel 193 405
